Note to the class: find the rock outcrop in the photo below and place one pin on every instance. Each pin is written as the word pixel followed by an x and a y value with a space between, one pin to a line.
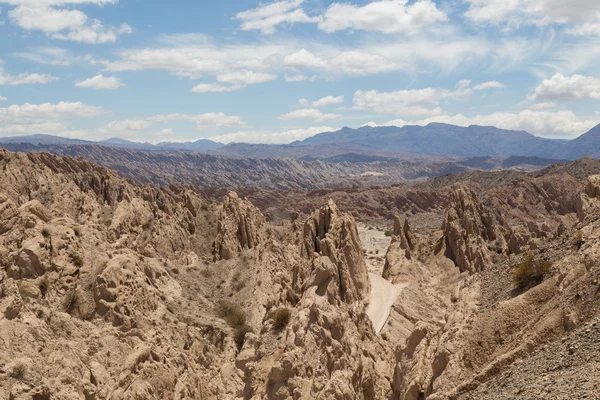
pixel 332 246
pixel 471 233
pixel 400 253
pixel 239 227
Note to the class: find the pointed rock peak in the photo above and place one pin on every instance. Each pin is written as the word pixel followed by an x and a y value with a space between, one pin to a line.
pixel 331 238
pixel 469 228
pixel 239 227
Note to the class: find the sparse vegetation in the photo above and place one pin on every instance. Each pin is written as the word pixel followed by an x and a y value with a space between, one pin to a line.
pixel 240 335
pixel 389 233
pixel 530 272
pixel 281 318
pixel 77 232
pixel 46 233
pixel 147 226
pixel 235 318
pixel 239 285
pixel 206 273
pixel 77 260
pixel 18 371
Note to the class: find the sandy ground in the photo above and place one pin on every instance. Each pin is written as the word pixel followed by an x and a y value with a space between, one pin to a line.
pixel 383 296
pixel 383 292
pixel 375 244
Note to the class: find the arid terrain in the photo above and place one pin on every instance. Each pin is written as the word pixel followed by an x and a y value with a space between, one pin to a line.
pixel 476 285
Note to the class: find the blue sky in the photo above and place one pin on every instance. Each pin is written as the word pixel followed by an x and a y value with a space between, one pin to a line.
pixel 274 72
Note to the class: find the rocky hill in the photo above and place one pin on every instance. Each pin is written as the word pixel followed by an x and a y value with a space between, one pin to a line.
pixel 212 171
pixel 114 290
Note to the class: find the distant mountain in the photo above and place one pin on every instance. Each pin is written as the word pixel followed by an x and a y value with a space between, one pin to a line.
pixel 587 144
pixel 43 140
pixel 198 145
pixel 442 140
pixel 201 145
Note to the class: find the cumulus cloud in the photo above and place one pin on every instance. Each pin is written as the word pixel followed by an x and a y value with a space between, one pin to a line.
pixel 354 62
pixel 567 88
pixel 489 85
pixel 215 87
pixel 271 137
pixel 23 78
pixel 245 77
pixel 295 78
pixel 100 82
pixel 387 16
pixel 266 18
pixel 59 22
pixel 308 113
pixel 414 102
pixel 322 102
pixel 2 98
pixel 31 113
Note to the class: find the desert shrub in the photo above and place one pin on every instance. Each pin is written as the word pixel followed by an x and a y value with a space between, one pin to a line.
pixel 207 273
pixel 530 272
pixel 147 225
pixel 18 371
pixel 232 314
pixel 239 336
pixel 389 233
pixel 281 318
pixel 77 260
pixel 46 233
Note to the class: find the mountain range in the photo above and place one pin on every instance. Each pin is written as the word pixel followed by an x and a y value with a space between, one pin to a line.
pixel 367 144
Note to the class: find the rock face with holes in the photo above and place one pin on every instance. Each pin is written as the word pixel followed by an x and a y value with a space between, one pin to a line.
pixel 332 245
pixel 471 233
pixel 239 227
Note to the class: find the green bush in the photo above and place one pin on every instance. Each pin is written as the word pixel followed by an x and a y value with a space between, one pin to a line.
pixel 46 233
pixel 281 318
pixel 530 272
pixel 389 233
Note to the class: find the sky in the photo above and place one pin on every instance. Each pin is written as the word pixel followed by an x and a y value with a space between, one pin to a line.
pixel 276 72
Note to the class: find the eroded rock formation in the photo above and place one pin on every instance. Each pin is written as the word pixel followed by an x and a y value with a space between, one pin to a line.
pixel 332 245
pixel 239 227
pixel 471 233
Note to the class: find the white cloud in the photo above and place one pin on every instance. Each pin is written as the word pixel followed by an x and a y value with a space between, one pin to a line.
pixel 323 102
pixel 353 62
pixel 2 98
pixel 295 78
pixel 47 55
pixel 266 17
pixel 30 113
pixel 414 102
pixel 539 12
pixel 245 77
pixel 387 16
pixel 100 82
pixel 567 88
pixel 308 113
pixel 542 106
pixel 23 78
pixel 271 137
pixel 563 123
pixel 489 85
pixel 588 28
pixel 125 126
pixel 215 87
pixel 64 23
pixel 216 120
